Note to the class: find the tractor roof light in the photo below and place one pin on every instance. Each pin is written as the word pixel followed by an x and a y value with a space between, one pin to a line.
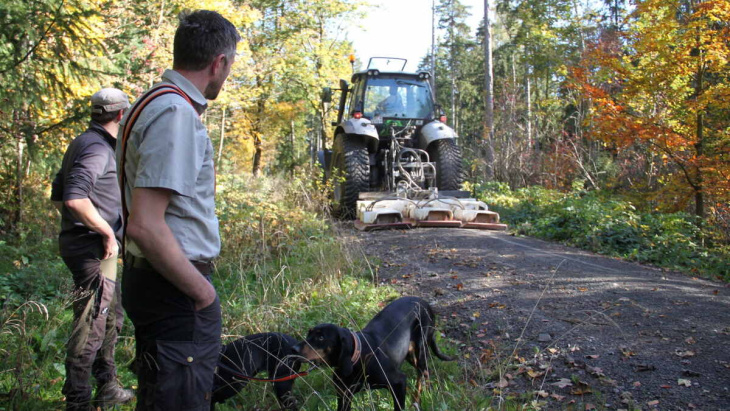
pixel 424 75
pixel 373 73
pixel 357 115
pixel 443 119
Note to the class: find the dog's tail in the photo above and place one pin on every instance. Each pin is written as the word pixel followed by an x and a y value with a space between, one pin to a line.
pixel 435 348
pixel 431 340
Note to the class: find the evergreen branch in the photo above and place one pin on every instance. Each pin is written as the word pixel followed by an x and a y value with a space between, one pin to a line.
pixel 43 37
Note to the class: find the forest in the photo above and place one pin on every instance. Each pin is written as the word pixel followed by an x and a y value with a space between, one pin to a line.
pixel 610 131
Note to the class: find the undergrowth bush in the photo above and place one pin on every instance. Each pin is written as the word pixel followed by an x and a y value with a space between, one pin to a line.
pixel 283 267
pixel 595 221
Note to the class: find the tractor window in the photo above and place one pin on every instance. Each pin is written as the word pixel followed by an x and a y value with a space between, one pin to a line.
pixel 397 98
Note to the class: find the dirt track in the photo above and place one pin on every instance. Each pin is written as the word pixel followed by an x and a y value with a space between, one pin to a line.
pixel 596 332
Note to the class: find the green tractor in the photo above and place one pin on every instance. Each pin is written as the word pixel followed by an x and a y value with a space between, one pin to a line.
pixel 389 136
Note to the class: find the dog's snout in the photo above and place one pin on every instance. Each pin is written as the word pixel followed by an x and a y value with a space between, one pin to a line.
pixel 297 348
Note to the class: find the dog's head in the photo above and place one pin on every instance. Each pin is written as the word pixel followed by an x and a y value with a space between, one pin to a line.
pixel 329 344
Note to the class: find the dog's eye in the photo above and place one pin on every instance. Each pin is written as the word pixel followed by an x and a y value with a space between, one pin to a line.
pixel 320 338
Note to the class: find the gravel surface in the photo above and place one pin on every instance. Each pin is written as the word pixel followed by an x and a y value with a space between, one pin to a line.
pixel 561 326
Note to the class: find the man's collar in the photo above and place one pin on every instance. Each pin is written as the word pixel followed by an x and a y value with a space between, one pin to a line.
pixel 93 125
pixel 185 85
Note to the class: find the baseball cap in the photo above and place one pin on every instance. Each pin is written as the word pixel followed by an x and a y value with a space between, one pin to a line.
pixel 110 99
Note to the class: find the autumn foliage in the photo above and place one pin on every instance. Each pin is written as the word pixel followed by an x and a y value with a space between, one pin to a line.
pixel 659 91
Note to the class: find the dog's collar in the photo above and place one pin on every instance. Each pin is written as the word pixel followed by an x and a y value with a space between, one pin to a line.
pixel 357 349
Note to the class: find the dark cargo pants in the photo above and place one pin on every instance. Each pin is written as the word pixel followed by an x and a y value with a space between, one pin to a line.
pixel 177 347
pixel 98 318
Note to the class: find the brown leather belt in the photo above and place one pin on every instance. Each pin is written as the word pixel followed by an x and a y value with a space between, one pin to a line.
pixel 205 267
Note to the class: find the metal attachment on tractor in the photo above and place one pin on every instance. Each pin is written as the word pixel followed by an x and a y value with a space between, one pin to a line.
pixel 424 208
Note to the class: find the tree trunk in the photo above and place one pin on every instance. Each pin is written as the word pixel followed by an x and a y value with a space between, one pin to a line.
pixel 488 97
pixel 433 47
pixel 256 155
pixel 528 98
pixel 257 133
pixel 700 145
pixel 16 202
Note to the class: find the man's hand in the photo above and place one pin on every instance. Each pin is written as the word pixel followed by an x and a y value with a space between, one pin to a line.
pixel 111 247
pixel 86 213
pixel 207 296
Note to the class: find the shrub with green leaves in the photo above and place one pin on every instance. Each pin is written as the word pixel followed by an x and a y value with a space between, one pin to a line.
pixel 598 222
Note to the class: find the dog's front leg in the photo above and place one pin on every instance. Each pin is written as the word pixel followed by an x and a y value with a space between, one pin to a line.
pixel 397 385
pixel 345 394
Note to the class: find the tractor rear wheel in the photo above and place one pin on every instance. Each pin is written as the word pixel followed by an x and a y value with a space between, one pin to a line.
pixel 350 174
pixel 449 171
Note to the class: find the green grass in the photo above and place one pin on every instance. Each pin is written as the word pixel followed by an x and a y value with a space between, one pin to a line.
pixel 282 269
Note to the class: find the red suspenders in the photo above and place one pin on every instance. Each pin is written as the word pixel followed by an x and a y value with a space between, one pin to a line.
pixel 134 113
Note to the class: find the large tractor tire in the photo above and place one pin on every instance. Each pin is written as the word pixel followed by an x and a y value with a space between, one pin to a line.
pixel 449 171
pixel 351 174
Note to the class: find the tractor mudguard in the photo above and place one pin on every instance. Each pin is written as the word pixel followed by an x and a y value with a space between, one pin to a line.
pixel 433 131
pixel 361 127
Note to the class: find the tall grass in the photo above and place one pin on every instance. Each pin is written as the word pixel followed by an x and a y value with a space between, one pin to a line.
pixel 283 268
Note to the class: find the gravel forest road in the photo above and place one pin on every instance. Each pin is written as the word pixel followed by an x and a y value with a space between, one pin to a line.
pixel 571 328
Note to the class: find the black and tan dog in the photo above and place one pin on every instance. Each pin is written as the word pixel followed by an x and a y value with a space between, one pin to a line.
pixel 372 358
pixel 242 359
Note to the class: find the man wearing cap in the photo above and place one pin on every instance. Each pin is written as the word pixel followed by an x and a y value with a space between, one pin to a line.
pixel 86 191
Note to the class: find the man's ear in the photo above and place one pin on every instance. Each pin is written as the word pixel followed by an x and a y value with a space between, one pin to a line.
pixel 219 62
pixel 119 116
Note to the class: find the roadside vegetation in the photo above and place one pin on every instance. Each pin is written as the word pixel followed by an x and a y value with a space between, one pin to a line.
pixel 608 224
pixel 283 268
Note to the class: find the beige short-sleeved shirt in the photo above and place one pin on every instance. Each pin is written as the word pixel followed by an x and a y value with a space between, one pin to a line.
pixel 168 147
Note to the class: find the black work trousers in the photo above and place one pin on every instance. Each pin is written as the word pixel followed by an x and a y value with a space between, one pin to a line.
pixel 98 319
pixel 177 347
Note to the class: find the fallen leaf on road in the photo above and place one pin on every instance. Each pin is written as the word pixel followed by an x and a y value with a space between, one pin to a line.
pixel 535 374
pixel 684 353
pixel 581 388
pixel 637 384
pixel 608 381
pixel 592 356
pixel 665 386
pixel 459 286
pixel 652 403
pixel 690 340
pixel 627 352
pixel 595 371
pixel 645 367
pixel 563 382
pixel 557 397
pixel 503 383
pixel 542 393
pixel 684 383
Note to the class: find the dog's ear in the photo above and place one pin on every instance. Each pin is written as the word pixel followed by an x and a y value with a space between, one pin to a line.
pixel 347 347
